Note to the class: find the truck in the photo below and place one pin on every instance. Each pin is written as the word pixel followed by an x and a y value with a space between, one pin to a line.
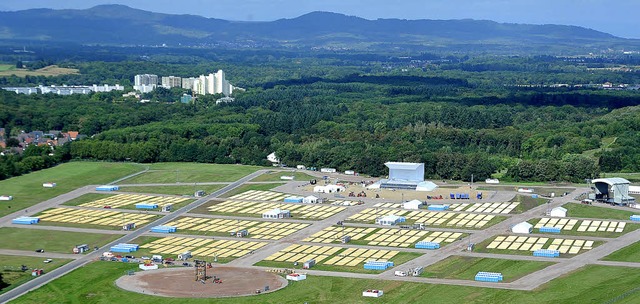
pixel 400 273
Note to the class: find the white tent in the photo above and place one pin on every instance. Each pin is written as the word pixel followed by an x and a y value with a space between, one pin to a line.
pixel 412 205
pixel 328 189
pixel 523 227
pixel 276 214
pixel 558 212
pixel 310 200
pixel 426 186
pixel 390 220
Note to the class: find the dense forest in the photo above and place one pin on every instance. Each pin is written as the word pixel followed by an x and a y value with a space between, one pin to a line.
pixel 459 115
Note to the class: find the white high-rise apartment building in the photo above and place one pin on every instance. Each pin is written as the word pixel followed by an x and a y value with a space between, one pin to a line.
pixel 212 84
pixel 171 82
pixel 145 79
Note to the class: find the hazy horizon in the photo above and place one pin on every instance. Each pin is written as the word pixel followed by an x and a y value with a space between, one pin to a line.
pixel 617 18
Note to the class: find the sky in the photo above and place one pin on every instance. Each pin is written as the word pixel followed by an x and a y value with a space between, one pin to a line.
pixel 617 17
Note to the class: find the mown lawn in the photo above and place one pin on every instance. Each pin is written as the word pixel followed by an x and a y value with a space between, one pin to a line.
pixel 164 173
pixel 466 268
pixel 10 268
pixel 630 253
pixel 593 211
pixel 590 284
pixel 27 189
pixel 172 190
pixel 86 198
pixel 247 187
pixel 275 176
pixel 50 240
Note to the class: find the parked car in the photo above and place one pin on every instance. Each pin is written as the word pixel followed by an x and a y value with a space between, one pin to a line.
pixel 48 261
pixel 40 250
pixel 129 257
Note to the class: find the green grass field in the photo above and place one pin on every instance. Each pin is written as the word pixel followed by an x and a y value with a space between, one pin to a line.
pixel 90 197
pixel 86 198
pixel 172 190
pixel 593 211
pixel 466 268
pixel 527 202
pixel 27 189
pixel 50 240
pixel 164 173
pixel 632 177
pixel 275 176
pixel 6 67
pixel 630 253
pixel 591 284
pixel 247 187
pixel 11 273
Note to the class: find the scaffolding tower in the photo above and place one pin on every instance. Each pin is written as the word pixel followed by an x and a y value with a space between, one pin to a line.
pixel 201 270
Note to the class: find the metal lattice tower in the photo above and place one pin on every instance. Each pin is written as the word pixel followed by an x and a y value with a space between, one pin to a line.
pixel 201 270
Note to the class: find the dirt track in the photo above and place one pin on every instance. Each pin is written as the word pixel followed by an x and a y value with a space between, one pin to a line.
pixel 180 283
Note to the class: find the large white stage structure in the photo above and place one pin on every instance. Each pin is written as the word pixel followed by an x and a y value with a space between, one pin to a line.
pixel 408 176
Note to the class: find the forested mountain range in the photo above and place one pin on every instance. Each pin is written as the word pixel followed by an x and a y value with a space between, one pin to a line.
pixel 122 25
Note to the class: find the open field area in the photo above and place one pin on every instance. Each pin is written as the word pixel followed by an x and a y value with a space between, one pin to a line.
pixel 527 202
pixel 52 70
pixel 593 211
pixel 275 176
pixel 86 198
pixel 465 268
pixel 630 253
pixel 12 274
pixel 597 284
pixel 190 173
pixel 632 177
pixel 50 240
pixel 172 190
pixel 27 190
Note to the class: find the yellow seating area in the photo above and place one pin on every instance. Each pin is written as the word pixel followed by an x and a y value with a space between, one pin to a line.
pixel 329 255
pixel 122 200
pixel 524 243
pixel 383 236
pixel 94 217
pixel 430 218
pixel 202 247
pixel 256 229
pixel 298 211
